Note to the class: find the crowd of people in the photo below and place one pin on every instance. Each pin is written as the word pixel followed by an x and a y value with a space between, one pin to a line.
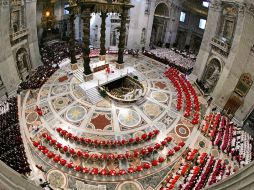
pixel 235 142
pixel 195 171
pixel 36 80
pixel 56 51
pixel 12 151
pixel 182 60
pixel 228 137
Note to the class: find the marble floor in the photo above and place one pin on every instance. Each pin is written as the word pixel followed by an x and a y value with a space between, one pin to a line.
pixel 88 115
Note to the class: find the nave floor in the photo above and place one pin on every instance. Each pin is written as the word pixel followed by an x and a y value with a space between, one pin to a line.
pixel 88 115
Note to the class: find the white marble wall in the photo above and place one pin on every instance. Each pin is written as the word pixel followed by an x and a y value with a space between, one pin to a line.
pixel 8 70
pixel 239 60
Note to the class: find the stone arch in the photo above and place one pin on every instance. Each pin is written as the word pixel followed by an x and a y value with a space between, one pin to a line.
pixel 23 63
pixel 162 9
pixel 211 74
pixel 160 23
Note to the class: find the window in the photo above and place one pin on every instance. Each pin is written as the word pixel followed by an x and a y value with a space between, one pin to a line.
pixel 205 4
pixel 202 23
pixel 182 16
pixel 66 12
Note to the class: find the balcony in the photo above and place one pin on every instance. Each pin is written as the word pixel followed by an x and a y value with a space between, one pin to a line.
pixel 19 34
pixel 221 46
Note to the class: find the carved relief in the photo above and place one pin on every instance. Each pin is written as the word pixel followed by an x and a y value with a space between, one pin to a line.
pixel 244 84
pixel 230 11
pixel 215 4
pixel 17 22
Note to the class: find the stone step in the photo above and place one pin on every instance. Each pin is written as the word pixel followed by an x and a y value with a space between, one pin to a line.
pixel 94 95
pixel 79 74
pixel 140 101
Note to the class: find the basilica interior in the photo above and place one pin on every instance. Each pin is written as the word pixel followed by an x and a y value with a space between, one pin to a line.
pixel 126 94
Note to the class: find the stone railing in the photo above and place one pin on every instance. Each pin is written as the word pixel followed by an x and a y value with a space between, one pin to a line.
pixel 220 46
pixel 16 35
pixel 240 180
pixel 11 180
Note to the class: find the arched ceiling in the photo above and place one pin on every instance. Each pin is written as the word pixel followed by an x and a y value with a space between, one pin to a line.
pixel 162 10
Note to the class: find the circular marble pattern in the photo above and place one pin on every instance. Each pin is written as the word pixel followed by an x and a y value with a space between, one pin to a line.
pixel 129 186
pixel 215 153
pixel 182 131
pixel 76 114
pixel 129 118
pixel 159 96
pixel 44 92
pixel 57 179
pixel 226 161
pixel 59 89
pixel 31 117
pixel 201 144
pixel 60 102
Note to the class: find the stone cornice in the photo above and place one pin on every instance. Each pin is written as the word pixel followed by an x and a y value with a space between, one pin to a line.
pixel 4 3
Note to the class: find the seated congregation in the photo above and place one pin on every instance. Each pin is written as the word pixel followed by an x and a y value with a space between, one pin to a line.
pixel 12 150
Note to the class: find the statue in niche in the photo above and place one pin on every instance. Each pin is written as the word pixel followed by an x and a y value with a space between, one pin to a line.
pixel 211 80
pixel 115 37
pixel 22 64
pixel 143 36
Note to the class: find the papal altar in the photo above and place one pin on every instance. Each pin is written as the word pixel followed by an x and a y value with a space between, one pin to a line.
pixel 102 77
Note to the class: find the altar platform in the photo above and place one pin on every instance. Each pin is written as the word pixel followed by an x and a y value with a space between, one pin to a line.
pixel 101 78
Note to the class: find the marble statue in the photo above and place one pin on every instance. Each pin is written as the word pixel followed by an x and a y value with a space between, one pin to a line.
pixel 21 66
pixel 211 81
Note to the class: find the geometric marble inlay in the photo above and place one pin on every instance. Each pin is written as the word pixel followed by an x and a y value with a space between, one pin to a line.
pixel 76 114
pixel 129 118
pixel 159 96
pixel 100 121
pixel 182 131
pixel 56 179
pixel 160 85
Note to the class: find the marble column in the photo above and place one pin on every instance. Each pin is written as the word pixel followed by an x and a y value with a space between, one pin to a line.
pixel 72 38
pixel 86 40
pixel 103 34
pixel 31 24
pixel 121 44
